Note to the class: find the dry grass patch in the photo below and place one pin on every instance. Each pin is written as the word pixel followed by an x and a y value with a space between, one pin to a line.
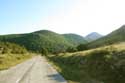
pixel 9 60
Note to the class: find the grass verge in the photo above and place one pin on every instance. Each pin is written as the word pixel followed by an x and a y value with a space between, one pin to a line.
pixel 9 60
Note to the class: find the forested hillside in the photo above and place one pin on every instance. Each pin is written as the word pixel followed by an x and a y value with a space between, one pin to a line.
pixel 44 39
pixel 75 39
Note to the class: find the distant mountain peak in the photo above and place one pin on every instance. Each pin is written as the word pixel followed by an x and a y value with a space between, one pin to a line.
pixel 93 33
pixel 93 36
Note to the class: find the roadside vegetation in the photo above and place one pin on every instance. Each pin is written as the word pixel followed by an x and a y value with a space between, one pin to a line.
pixel 9 60
pixel 12 54
pixel 101 65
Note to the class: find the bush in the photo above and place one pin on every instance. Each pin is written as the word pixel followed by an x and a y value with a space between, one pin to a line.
pixel 71 49
pixel 44 51
pixel 82 47
pixel 6 47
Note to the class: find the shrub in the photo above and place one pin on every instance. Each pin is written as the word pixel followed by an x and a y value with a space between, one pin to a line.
pixel 71 49
pixel 44 51
pixel 82 47
pixel 6 47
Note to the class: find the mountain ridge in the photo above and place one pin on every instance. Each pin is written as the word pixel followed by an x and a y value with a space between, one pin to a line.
pixel 115 36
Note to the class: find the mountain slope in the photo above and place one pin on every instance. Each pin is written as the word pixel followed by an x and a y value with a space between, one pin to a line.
pixel 75 39
pixel 93 36
pixel 35 41
pixel 49 40
pixel 114 37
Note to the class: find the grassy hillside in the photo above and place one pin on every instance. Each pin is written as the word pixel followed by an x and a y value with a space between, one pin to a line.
pixel 49 40
pixel 114 37
pixel 101 65
pixel 75 39
pixel 35 41
pixel 12 54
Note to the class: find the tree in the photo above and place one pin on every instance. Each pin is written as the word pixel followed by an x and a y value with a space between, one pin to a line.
pixel 44 51
pixel 82 47
pixel 71 49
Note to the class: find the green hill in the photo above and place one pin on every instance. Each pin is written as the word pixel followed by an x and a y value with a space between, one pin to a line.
pixel 49 40
pixel 35 41
pixel 114 37
pixel 75 39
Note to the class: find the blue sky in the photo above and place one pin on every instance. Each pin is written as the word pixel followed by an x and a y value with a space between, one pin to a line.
pixel 61 16
pixel 16 15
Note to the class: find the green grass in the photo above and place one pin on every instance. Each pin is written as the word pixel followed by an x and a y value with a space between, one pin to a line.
pixel 101 65
pixel 9 60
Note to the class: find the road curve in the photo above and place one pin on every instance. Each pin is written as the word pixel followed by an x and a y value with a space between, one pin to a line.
pixel 36 70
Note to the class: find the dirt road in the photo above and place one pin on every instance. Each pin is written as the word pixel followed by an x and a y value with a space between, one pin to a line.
pixel 36 70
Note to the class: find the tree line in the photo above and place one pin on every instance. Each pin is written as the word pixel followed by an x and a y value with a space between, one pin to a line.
pixel 71 49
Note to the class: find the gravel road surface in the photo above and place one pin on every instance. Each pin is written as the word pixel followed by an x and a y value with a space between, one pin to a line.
pixel 36 70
